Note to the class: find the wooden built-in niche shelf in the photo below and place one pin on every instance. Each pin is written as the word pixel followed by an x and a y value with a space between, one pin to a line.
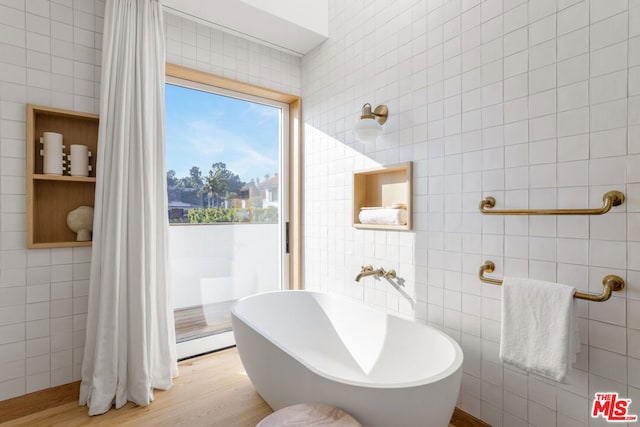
pixel 51 197
pixel 382 187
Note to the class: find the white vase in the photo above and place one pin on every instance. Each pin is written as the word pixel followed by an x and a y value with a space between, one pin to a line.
pixel 53 153
pixel 79 160
pixel 80 221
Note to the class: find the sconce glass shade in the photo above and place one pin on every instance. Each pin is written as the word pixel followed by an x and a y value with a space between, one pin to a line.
pixel 367 130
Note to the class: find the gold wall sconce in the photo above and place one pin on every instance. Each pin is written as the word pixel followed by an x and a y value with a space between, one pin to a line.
pixel 369 127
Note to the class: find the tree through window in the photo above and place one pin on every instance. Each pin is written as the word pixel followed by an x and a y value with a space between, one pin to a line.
pixel 222 158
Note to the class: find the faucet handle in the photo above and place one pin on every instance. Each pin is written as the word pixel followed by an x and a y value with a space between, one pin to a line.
pixel 391 274
pixel 366 268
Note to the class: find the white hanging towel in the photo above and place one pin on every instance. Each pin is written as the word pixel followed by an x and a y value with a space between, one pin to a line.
pixel 539 331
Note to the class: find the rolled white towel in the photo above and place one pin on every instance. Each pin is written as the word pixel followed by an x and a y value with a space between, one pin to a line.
pixel 383 216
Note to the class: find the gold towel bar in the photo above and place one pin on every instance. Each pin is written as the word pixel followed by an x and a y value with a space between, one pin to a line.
pixel 610 199
pixel 611 283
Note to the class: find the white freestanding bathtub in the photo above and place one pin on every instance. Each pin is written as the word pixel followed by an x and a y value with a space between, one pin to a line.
pixel 301 346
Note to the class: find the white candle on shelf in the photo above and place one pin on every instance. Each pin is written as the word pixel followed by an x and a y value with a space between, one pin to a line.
pixel 53 153
pixel 79 158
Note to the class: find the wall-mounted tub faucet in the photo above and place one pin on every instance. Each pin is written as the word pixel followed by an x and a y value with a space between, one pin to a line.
pixel 367 270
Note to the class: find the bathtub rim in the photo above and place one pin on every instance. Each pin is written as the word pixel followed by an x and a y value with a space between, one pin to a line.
pixel 449 371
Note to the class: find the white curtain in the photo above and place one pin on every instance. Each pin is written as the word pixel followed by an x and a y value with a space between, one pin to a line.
pixel 130 337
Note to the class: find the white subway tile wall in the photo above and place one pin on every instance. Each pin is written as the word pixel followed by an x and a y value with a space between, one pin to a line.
pixel 50 53
pixel 203 48
pixel 536 103
pixel 533 102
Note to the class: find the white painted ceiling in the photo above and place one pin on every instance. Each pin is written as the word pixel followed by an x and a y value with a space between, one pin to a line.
pixel 294 26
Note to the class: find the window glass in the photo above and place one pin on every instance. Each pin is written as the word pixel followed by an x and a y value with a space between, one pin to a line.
pixel 222 158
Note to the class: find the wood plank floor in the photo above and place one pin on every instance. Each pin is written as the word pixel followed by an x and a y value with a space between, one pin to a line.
pixel 212 391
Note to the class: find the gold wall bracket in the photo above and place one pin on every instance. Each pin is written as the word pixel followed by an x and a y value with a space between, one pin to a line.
pixel 380 113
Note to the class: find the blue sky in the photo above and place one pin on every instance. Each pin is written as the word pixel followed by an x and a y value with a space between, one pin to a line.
pixel 204 128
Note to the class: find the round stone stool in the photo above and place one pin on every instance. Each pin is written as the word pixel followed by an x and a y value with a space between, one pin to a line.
pixel 309 414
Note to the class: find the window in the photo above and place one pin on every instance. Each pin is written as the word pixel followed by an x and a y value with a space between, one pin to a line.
pixel 223 157
pixel 228 205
